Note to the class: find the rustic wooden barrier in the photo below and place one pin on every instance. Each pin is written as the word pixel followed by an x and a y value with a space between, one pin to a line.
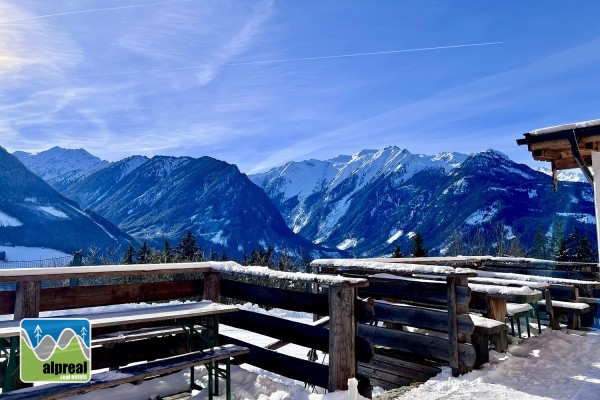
pixel 207 282
pixel 429 305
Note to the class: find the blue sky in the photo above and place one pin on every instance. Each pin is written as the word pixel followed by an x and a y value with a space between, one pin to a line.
pixel 260 83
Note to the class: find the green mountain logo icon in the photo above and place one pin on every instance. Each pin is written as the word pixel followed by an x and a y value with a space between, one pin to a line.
pixel 52 350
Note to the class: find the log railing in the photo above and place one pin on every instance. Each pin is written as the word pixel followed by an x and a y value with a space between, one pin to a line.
pixel 430 304
pixel 211 280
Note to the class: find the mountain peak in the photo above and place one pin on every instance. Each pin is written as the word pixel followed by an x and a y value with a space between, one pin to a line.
pixel 61 167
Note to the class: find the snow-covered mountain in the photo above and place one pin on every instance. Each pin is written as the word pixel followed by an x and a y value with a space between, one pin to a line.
pixel 300 188
pixel 61 167
pixel 164 197
pixel 374 200
pixel 571 175
pixel 365 204
pixel 33 214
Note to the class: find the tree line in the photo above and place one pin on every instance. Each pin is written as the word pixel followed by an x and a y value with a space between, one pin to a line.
pixel 188 250
pixel 500 241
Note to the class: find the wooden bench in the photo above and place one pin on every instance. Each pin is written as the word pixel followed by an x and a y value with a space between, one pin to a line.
pixel 515 311
pixel 136 373
pixel 487 331
pixel 571 310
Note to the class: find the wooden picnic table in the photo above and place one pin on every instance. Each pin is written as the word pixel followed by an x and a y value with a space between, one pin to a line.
pixel 125 317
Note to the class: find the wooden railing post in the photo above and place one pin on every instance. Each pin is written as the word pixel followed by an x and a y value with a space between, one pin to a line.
pixel 27 300
pixel 212 292
pixel 455 309
pixel 342 336
pixel 27 305
pixel 212 286
pixel 453 325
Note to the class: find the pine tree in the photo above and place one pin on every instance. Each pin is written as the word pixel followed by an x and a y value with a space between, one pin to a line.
pixel 418 250
pixel 479 244
pixel 585 250
pixel 167 254
pixel 188 249
pixel 499 238
pixel 456 246
pixel 128 256
pixel 143 254
pixel 540 244
pixel 556 240
pixel 397 252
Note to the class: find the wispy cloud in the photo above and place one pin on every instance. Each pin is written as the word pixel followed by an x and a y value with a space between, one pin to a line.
pixel 489 112
pixel 207 37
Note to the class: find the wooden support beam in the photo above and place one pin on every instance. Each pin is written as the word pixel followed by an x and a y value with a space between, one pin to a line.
pixel 342 337
pixel 27 300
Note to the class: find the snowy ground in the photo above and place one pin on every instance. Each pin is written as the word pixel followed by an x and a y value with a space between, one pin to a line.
pixel 554 365
pixel 20 253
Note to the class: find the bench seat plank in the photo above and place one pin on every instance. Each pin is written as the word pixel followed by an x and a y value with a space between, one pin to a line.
pixel 517 310
pixel 138 334
pixel 577 308
pixel 127 374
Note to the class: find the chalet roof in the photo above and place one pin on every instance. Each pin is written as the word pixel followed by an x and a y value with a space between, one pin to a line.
pixel 565 146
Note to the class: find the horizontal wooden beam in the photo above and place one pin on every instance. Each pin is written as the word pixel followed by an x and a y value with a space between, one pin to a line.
pixel 45 274
pixel 291 367
pixel 93 296
pixel 420 317
pixel 309 336
pixel 426 346
pixel 414 290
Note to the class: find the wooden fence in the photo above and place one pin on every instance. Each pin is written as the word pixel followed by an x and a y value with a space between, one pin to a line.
pixel 211 281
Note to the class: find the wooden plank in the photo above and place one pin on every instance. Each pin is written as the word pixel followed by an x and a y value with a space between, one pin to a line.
pixel 127 374
pixel 94 296
pixel 133 318
pixel 307 335
pixel 342 337
pixel 281 364
pixel 426 346
pixel 416 290
pixel 420 317
pixel 43 274
pixel 404 368
pixel 273 297
pixel 137 334
pixel 384 378
pixel 563 292
pixel 7 301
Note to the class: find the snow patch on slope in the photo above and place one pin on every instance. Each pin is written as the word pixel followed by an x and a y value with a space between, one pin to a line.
pixel 53 211
pixel 6 221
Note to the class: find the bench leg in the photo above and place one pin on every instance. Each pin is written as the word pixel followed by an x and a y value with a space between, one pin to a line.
pixel 214 372
pixel 12 379
pixel 481 346
pixel 527 324
pixel 518 326
pixel 512 326
pixel 576 322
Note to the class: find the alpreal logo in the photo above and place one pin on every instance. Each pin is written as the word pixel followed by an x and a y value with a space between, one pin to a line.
pixel 55 350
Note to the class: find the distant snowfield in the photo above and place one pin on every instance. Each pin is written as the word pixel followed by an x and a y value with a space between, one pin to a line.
pixel 20 253
pixel 53 211
pixel 7 220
